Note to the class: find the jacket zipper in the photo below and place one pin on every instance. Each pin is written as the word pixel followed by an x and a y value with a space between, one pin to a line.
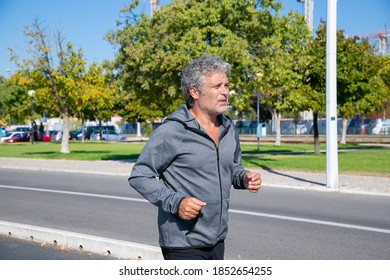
pixel 219 177
pixel 204 134
pixel 224 132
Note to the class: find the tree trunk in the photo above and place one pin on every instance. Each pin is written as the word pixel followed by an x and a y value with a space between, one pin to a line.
pixel 82 130
pixel 277 116
pixel 362 127
pixel 344 132
pixel 316 134
pixel 100 130
pixel 65 135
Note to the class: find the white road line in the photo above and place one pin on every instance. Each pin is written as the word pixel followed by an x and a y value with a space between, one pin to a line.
pixel 249 213
pixel 381 230
pixel 74 193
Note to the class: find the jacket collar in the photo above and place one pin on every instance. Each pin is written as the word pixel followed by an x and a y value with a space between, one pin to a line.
pixel 184 116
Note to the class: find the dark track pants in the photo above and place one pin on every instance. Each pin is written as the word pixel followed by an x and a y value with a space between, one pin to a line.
pixel 206 253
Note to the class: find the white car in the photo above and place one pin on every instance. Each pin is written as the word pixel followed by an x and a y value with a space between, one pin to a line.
pixel 385 129
pixel 107 135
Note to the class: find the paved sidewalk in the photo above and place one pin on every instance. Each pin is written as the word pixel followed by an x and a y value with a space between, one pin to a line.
pixel 271 178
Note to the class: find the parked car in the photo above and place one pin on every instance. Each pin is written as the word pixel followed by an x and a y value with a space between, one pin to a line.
pixel 55 135
pixel 88 130
pixel 23 129
pixel 43 137
pixel 385 127
pixel 107 135
pixel 74 133
pixel 355 126
pixel 15 136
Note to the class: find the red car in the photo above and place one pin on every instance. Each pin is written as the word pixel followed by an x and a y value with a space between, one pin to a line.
pixel 43 137
pixel 17 136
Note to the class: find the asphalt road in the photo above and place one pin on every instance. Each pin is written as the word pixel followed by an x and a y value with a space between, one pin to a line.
pixel 276 223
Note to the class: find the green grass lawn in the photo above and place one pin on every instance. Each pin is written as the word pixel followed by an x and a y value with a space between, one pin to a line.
pixel 78 151
pixel 352 158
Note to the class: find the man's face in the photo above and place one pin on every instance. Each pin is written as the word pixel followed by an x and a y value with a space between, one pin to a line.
pixel 213 98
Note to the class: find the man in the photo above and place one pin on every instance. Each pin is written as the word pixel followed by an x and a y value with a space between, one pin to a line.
pixel 195 154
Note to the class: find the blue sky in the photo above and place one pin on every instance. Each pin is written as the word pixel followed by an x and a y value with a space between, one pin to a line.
pixel 85 22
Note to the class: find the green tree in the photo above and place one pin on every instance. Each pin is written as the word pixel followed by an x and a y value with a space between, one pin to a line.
pixel 384 70
pixel 14 103
pixel 285 56
pixel 315 82
pixel 360 88
pixel 358 83
pixel 152 52
pixel 97 95
pixel 58 75
pixel 383 97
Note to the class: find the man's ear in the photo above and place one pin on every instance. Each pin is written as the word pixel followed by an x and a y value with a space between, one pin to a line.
pixel 194 93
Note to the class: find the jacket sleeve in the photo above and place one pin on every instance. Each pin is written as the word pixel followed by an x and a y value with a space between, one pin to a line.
pixel 239 171
pixel 157 154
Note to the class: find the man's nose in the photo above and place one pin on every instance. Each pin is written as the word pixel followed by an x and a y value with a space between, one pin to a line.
pixel 225 91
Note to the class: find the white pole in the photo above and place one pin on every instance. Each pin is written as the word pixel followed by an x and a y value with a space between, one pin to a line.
pixel 331 96
pixel 309 11
pixel 139 129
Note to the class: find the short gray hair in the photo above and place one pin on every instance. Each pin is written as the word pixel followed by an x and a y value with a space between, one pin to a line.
pixel 193 74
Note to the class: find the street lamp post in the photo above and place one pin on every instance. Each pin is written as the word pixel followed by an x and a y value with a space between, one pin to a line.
pixel 31 93
pixel 258 118
pixel 258 78
pixel 331 96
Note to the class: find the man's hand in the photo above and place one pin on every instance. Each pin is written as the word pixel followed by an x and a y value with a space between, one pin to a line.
pixel 252 181
pixel 189 208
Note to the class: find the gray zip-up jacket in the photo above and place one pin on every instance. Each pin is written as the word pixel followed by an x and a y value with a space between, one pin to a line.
pixel 180 160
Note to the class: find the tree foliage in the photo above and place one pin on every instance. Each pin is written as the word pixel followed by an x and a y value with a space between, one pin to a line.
pixel 384 81
pixel 268 52
pixel 357 76
pixel 285 58
pixel 58 74
pixel 152 52
pixel 360 88
pixel 13 103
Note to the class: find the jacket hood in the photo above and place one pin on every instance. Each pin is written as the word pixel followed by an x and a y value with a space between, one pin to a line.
pixel 183 116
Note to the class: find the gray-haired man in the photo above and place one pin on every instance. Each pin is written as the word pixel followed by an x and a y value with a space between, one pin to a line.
pixel 196 157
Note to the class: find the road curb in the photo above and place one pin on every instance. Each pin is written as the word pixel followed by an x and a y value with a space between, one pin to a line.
pixel 77 241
